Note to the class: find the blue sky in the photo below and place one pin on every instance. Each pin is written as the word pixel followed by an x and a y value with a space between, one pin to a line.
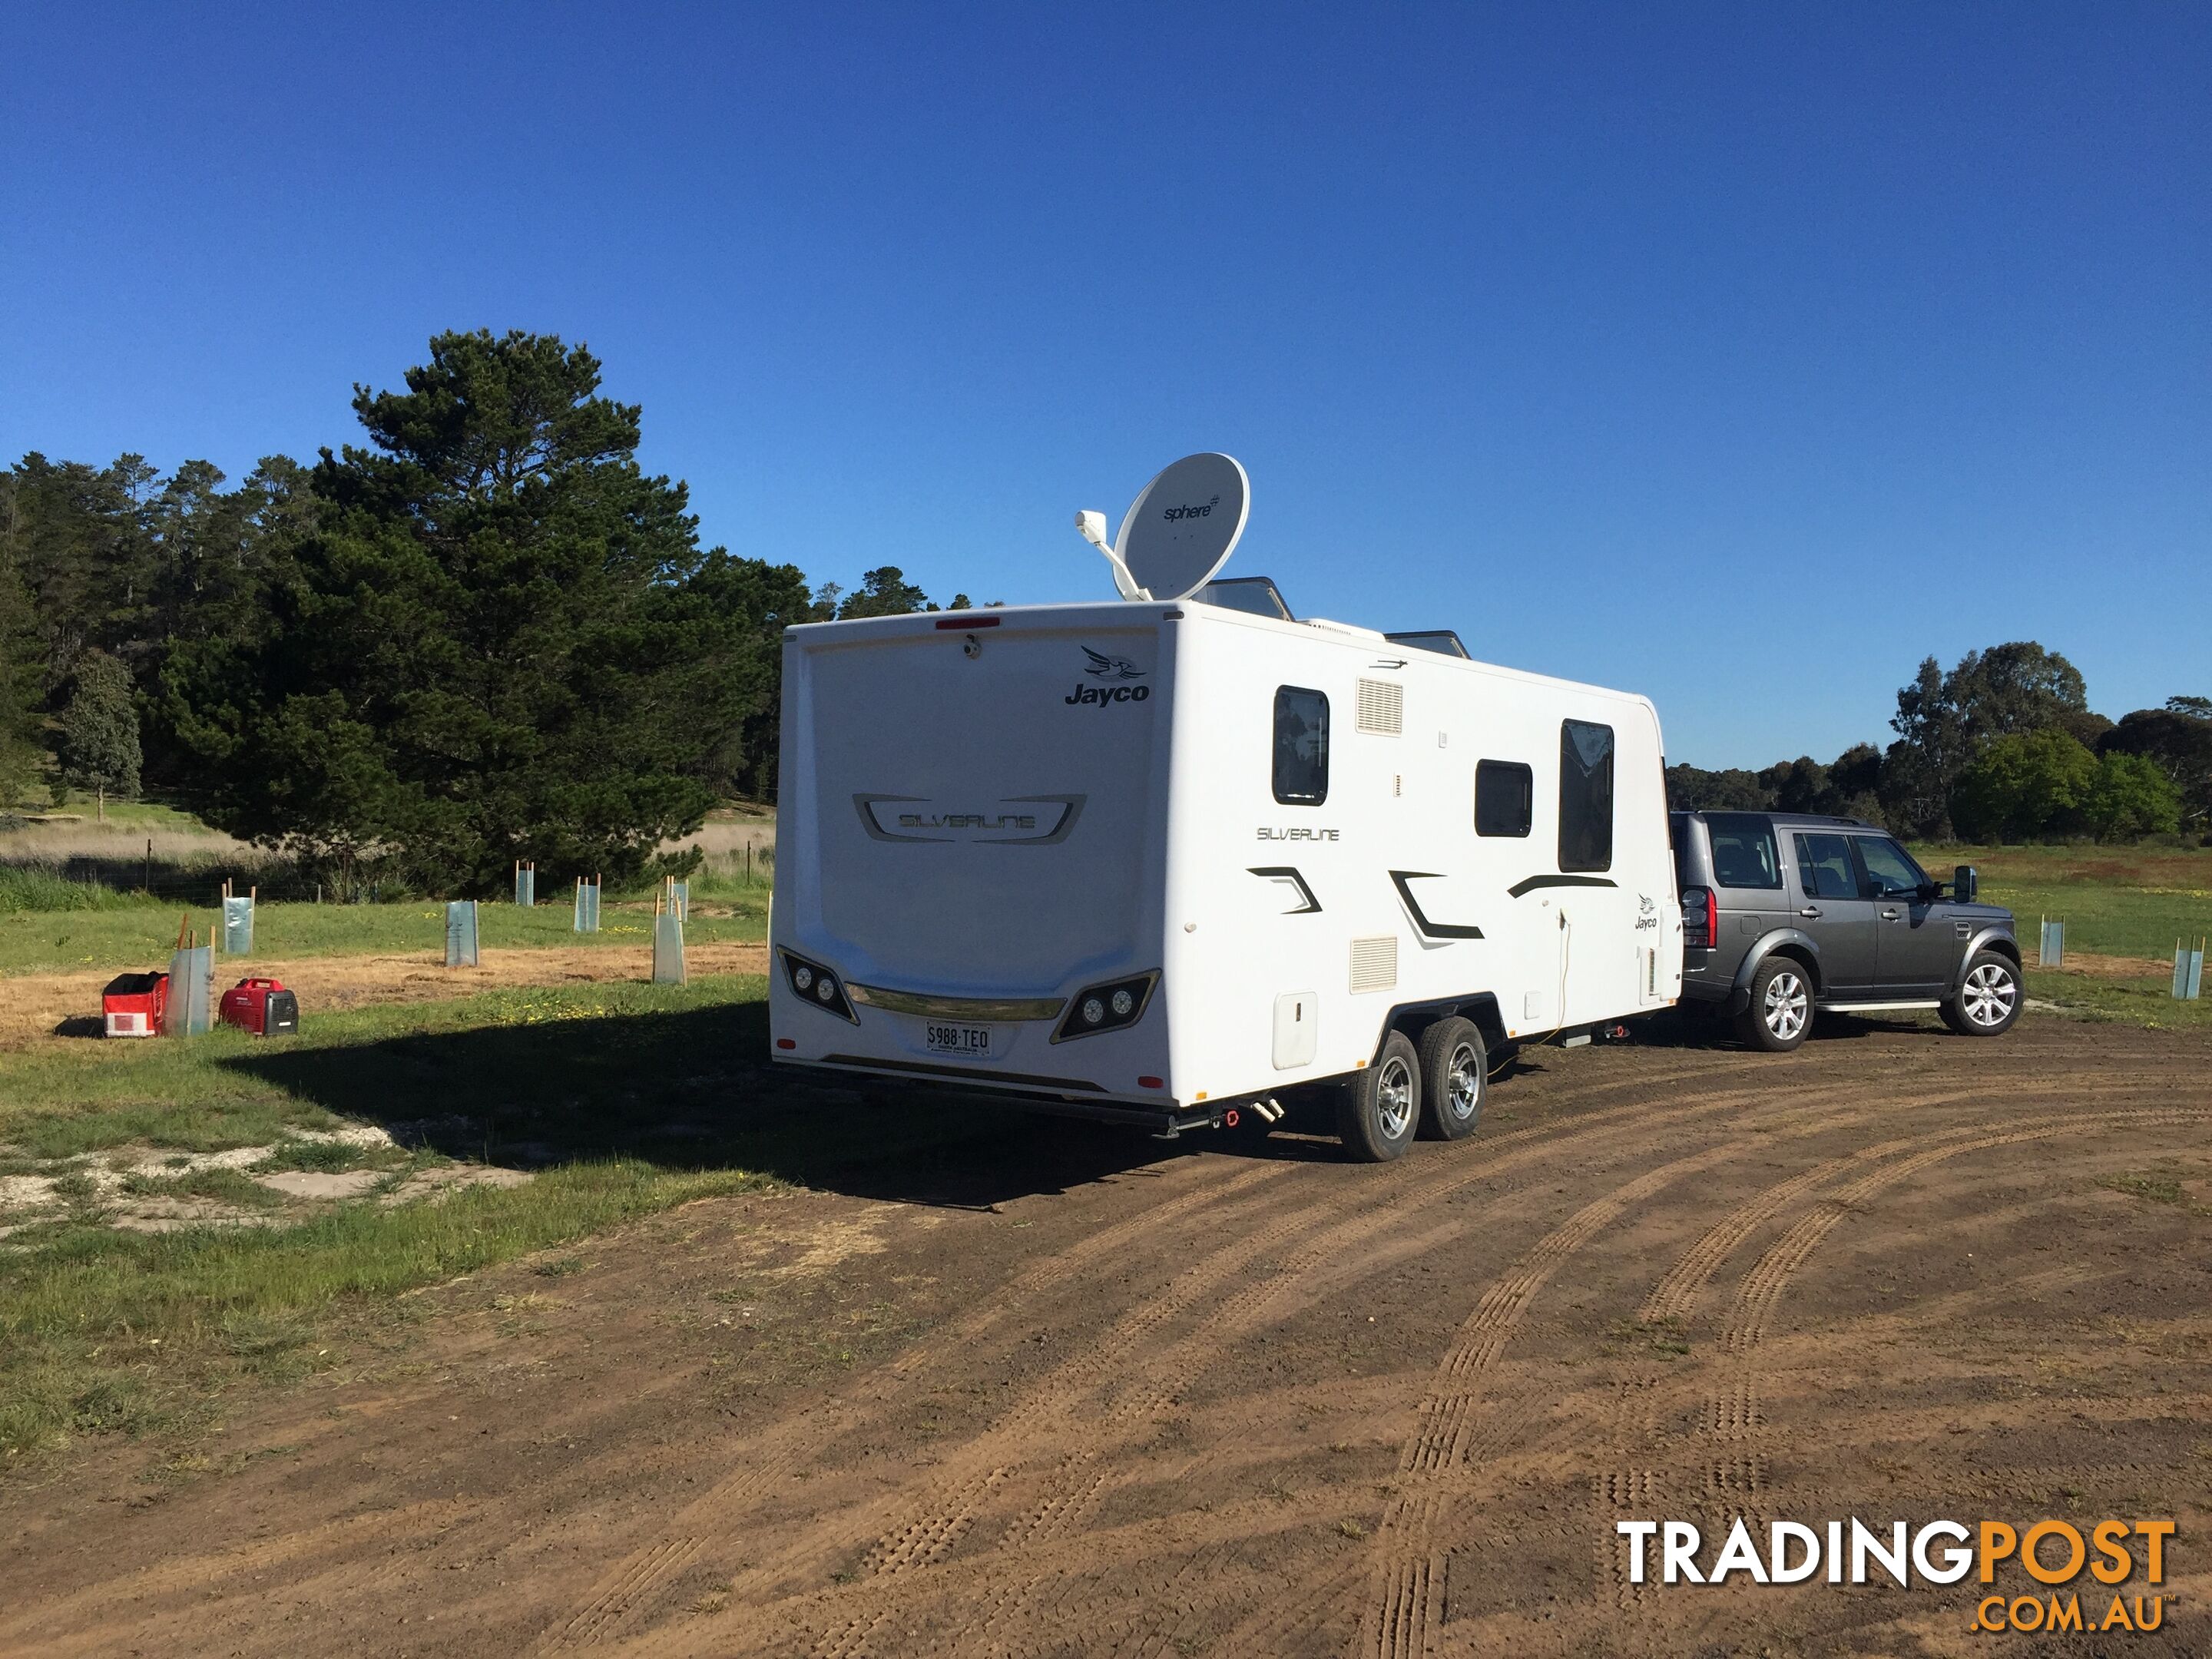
pixel 1740 355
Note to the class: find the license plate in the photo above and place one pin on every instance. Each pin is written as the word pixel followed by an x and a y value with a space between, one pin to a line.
pixel 973 1041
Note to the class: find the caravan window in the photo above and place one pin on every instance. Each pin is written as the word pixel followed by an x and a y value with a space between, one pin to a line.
pixel 1301 746
pixel 1585 796
pixel 1504 797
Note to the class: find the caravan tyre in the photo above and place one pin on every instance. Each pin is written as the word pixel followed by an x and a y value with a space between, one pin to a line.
pixel 1455 1076
pixel 1382 1105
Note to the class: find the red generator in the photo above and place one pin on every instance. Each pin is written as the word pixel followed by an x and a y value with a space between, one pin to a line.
pixel 134 1003
pixel 262 1007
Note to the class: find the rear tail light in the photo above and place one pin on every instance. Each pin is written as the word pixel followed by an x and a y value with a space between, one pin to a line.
pixel 1113 1006
pixel 812 982
pixel 1701 918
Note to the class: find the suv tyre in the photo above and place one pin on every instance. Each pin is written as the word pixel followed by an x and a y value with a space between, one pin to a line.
pixel 1382 1106
pixel 1989 997
pixel 1455 1076
pixel 1781 1010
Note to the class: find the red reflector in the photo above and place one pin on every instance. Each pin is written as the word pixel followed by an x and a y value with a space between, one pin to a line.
pixel 786 1043
pixel 1229 1118
pixel 966 621
pixel 1150 1082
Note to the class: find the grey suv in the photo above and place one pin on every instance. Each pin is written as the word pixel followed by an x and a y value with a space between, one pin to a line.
pixel 1785 913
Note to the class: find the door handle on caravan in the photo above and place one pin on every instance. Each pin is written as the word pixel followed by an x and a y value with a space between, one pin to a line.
pixel 1811 911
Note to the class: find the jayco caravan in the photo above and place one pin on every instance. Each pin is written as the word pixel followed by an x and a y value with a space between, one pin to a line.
pixel 1167 858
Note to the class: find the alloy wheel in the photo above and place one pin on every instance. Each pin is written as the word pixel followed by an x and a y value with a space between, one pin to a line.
pixel 1464 1092
pixel 1787 1006
pixel 1989 994
pixel 1394 1099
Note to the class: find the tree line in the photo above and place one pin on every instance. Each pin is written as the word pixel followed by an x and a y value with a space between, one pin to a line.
pixel 2002 746
pixel 484 634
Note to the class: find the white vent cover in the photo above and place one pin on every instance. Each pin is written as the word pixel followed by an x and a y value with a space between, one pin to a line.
pixel 1382 707
pixel 1374 963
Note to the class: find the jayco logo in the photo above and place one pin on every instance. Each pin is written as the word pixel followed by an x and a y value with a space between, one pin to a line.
pixel 1102 695
pixel 1109 668
pixel 1199 512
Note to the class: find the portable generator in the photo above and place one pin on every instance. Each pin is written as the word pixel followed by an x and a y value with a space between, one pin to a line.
pixel 262 1007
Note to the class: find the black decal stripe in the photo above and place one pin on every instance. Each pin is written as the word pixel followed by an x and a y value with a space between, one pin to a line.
pixel 1535 882
pixel 1429 929
pixel 1284 872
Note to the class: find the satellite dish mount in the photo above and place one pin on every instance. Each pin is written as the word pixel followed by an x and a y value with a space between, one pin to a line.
pixel 1179 531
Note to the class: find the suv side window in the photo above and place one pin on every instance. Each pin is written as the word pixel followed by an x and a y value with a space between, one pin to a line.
pixel 1743 850
pixel 1824 867
pixel 1585 796
pixel 1301 746
pixel 1891 872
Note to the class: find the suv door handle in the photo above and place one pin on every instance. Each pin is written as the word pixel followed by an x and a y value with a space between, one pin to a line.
pixel 1889 915
pixel 1811 911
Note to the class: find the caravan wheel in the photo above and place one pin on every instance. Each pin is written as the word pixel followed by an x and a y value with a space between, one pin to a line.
pixel 1454 1071
pixel 1382 1105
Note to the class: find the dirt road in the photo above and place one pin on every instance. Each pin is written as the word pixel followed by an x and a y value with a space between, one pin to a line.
pixel 1083 1394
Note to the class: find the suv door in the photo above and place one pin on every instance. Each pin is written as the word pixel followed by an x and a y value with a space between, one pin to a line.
pixel 1915 944
pixel 1831 908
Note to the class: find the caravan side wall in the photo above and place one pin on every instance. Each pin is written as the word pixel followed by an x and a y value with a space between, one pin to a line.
pixel 1296 928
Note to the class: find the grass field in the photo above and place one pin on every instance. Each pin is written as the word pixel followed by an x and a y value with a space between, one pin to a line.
pixel 131 933
pixel 2130 903
pixel 615 1100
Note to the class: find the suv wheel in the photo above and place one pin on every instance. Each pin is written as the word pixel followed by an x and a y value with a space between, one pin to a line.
pixel 1989 997
pixel 1454 1070
pixel 1781 1010
pixel 1382 1104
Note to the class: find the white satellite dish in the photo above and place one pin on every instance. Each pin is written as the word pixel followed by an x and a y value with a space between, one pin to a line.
pixel 1179 530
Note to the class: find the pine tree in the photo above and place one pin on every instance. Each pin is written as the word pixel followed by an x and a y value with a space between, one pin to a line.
pixel 497 638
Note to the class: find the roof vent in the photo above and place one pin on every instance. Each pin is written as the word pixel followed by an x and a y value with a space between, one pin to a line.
pixel 1382 707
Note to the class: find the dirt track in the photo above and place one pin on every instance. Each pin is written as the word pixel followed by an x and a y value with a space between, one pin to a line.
pixel 1090 1395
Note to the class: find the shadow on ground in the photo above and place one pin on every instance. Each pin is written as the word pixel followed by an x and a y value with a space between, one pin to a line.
pixel 693 1090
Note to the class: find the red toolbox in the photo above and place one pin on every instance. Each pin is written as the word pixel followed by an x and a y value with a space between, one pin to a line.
pixel 134 1003
pixel 262 1007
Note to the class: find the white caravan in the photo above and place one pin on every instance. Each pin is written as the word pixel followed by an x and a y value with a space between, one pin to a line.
pixel 1162 860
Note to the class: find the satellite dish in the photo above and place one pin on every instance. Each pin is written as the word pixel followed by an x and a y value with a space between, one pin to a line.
pixel 1180 530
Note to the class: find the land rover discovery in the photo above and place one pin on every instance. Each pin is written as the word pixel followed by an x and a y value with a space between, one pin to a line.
pixel 1786 914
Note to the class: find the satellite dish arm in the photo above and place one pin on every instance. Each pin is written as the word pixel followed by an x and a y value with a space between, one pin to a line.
pixel 1092 525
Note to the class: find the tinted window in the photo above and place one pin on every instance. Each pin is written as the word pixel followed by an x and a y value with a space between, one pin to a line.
pixel 1891 872
pixel 1585 796
pixel 1824 868
pixel 1301 747
pixel 1504 797
pixel 1743 850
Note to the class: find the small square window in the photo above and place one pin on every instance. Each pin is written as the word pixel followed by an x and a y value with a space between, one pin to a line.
pixel 1504 797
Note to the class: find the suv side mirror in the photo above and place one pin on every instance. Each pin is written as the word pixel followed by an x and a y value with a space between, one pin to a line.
pixel 1964 883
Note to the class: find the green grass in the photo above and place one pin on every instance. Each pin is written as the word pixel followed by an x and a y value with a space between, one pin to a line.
pixel 35 890
pixel 625 1099
pixel 2115 900
pixel 137 932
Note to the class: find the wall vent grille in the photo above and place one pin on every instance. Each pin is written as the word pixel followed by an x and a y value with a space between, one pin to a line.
pixel 1374 963
pixel 1382 707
